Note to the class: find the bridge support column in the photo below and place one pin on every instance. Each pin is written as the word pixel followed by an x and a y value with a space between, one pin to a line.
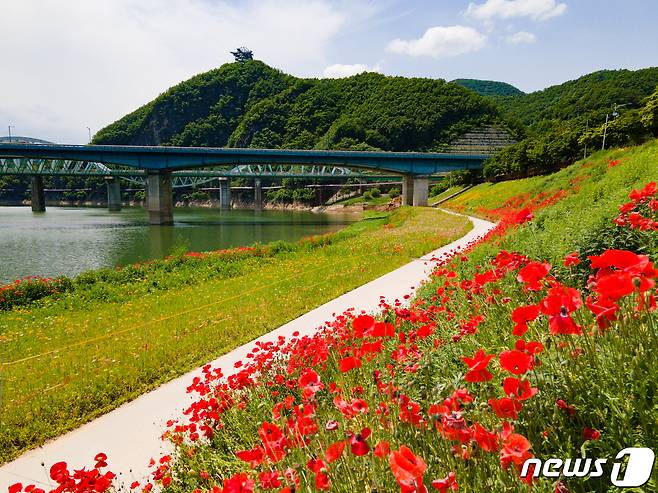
pixel 224 193
pixel 421 191
pixel 113 194
pixel 407 190
pixel 159 198
pixel 258 194
pixel 38 194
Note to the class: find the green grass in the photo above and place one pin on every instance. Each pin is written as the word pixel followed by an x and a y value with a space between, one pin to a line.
pixel 381 200
pixel 434 199
pixel 582 219
pixel 610 377
pixel 68 359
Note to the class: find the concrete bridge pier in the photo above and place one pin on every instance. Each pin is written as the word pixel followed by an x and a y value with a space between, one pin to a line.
pixel 38 194
pixel 224 193
pixel 407 190
pixel 159 198
pixel 258 194
pixel 113 194
pixel 421 191
pixel 415 190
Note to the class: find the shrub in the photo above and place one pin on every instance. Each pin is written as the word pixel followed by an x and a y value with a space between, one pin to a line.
pixel 439 188
pixel 394 192
pixel 375 192
pixel 24 291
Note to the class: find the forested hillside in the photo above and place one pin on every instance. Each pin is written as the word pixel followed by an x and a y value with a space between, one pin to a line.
pixel 249 104
pixel 590 95
pixel 564 121
pixel 489 87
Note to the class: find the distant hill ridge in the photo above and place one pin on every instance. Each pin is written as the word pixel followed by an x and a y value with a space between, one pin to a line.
pixel 250 104
pixel 489 87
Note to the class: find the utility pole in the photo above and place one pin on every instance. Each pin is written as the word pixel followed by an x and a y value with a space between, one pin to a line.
pixel 9 128
pixel 586 130
pixel 605 130
pixel 89 131
pixel 615 114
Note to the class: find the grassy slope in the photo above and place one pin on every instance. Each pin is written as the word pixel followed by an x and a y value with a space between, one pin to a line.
pixel 137 337
pixel 612 384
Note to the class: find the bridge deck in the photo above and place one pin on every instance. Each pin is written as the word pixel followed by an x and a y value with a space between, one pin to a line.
pixel 187 158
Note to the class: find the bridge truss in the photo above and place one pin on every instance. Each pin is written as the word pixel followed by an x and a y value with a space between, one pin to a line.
pixel 181 179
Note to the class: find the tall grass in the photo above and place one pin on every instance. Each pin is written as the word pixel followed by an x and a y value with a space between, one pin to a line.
pixel 71 357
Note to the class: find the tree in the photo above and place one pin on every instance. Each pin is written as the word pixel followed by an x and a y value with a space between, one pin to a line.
pixel 242 54
pixel 649 113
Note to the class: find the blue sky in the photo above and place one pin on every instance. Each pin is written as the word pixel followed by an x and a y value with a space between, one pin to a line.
pixel 84 63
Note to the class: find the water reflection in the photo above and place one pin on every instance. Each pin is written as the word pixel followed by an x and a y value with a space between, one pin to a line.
pixel 71 240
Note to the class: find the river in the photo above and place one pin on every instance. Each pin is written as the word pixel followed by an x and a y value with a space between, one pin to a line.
pixel 70 240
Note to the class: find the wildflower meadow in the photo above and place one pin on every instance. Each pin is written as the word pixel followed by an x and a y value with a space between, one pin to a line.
pixel 536 342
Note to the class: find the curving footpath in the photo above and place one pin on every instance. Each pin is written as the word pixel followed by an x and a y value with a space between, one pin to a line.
pixel 130 435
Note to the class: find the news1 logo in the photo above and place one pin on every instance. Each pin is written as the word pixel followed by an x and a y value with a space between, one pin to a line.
pixel 637 472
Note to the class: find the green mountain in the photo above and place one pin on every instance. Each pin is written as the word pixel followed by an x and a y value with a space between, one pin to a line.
pixel 589 96
pixel 249 104
pixel 565 121
pixel 489 87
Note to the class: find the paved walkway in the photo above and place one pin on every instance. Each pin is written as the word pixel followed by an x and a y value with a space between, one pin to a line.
pixel 129 435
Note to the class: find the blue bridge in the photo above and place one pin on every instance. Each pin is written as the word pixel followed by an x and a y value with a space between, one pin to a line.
pixel 159 163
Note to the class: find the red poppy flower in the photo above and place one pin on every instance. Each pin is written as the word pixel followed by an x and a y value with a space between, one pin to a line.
pixel 269 480
pixel 408 469
pixel 100 459
pixel 446 484
pixel 16 488
pixel 604 309
pixel 516 450
pixel 515 361
pixel 359 406
pixel 361 324
pixel 477 367
pixel 571 259
pixel 486 440
pixel 309 382
pixel 254 456
pixel 381 329
pixel 358 443
pixel 591 434
pixel 519 389
pixel 349 363
pixel 521 316
pixel 239 483
pixel 620 259
pixel 322 481
pixel 382 449
pixel 331 425
pixel 58 472
pixel 559 303
pixel 316 465
pixel 532 273
pixel 334 451
pixel 506 407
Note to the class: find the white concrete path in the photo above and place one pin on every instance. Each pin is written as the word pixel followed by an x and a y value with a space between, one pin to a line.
pixel 129 435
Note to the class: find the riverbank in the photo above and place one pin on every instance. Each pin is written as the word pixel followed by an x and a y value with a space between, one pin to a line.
pixel 70 358
pixel 131 433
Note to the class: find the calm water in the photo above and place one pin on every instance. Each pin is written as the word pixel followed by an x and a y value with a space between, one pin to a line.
pixel 68 240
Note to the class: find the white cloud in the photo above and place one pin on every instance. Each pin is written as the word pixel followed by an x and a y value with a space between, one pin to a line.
pixel 339 70
pixel 440 42
pixel 522 37
pixel 539 10
pixel 78 63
